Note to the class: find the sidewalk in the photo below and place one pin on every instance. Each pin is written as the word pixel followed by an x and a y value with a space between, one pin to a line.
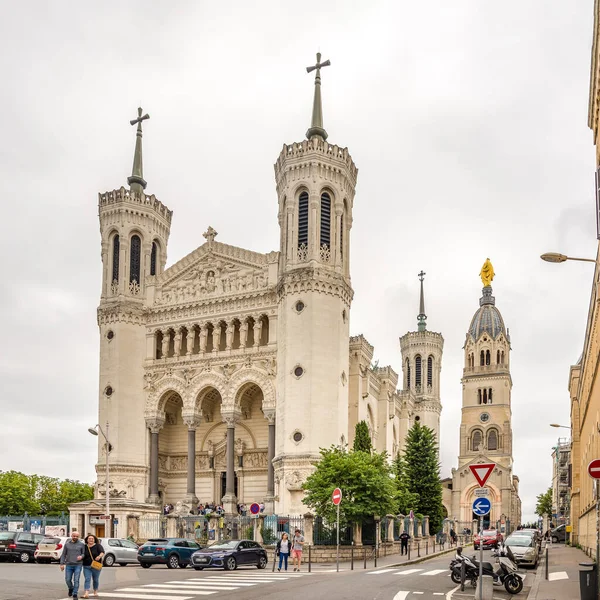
pixel 563 574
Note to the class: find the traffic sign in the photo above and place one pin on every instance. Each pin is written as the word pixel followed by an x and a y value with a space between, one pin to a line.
pixel 254 508
pixel 482 472
pixel 481 506
pixel 482 492
pixel 336 497
pixel 594 469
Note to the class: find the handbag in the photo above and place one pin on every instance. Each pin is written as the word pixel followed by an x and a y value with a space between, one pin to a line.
pixel 96 564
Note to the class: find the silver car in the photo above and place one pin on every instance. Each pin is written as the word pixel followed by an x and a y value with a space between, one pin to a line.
pixel 524 547
pixel 120 551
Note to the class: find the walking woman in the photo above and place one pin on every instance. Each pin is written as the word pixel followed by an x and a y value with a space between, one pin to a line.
pixel 283 550
pixel 92 564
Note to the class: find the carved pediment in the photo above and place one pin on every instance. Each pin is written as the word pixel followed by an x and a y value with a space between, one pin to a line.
pixel 214 270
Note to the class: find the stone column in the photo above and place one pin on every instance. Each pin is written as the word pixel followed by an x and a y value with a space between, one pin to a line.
pixel 401 522
pixel 155 425
pixel 229 500
pixel 425 526
pixel 229 335
pixel 216 337
pixel 390 529
pixel 257 331
pixel 357 534
pixel 190 339
pixel 192 421
pixel 202 337
pixel 308 529
pixel 177 343
pixel 243 333
pixel 335 235
pixel 106 269
pixel 258 525
pixel 270 497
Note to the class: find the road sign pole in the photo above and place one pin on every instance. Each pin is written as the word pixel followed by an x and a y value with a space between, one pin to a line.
pixel 480 558
pixel 337 552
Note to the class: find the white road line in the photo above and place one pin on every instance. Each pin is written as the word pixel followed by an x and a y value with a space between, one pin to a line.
pixel 451 592
pixel 193 583
pixel 380 572
pixel 179 589
pixel 418 592
pixel 401 595
pixel 438 593
pixel 434 572
pixel 141 596
pixel 408 571
pixel 174 593
pixel 557 576
pixel 234 580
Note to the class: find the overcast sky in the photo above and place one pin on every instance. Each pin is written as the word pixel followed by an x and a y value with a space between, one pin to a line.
pixel 467 121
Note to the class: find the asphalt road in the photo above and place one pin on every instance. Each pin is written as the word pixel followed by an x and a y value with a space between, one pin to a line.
pixel 428 580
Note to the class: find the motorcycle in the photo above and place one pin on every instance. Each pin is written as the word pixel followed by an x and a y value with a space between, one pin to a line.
pixel 507 573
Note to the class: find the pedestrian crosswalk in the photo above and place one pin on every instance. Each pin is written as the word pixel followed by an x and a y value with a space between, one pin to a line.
pixel 430 572
pixel 199 587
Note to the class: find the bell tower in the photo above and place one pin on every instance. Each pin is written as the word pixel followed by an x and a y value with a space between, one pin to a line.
pixel 315 183
pixel 134 229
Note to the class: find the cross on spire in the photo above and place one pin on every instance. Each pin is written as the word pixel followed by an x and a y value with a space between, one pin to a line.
pixel 422 317
pixel 137 182
pixel 316 127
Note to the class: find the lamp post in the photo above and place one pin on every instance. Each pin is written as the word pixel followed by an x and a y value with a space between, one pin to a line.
pixel 94 431
pixel 555 257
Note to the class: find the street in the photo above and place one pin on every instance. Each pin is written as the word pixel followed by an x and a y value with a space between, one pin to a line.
pixel 428 580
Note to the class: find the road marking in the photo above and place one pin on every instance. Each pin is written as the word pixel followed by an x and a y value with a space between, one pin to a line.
pixel 451 592
pixel 142 596
pixel 225 582
pixel 418 592
pixel 434 572
pixel 380 572
pixel 179 589
pixel 557 576
pixel 401 595
pixel 408 571
pixel 434 593
pixel 168 591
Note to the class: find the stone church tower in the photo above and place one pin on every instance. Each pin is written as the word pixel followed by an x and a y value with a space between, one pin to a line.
pixel 486 429
pixel 315 186
pixel 421 365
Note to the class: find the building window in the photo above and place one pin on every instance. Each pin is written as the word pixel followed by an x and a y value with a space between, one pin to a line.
pixel 492 441
pixel 430 371
pixel 479 400
pixel 418 371
pixel 303 220
pixel 487 357
pixel 482 358
pixel 497 357
pixel 407 375
pixel 115 263
pixel 135 259
pixel 325 239
pixel 476 440
pixel 298 371
pixel 490 396
pixel 153 256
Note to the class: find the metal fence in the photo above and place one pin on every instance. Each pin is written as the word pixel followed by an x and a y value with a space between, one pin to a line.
pixel 152 527
pixel 325 534
pixel 34 524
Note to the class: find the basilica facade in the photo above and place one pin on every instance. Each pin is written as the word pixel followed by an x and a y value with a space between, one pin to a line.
pixel 222 375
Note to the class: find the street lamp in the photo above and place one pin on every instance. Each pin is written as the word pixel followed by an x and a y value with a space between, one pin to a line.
pixel 94 431
pixel 555 257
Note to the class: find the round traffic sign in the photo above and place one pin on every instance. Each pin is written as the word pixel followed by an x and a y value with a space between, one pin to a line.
pixel 594 469
pixel 336 497
pixel 481 506
pixel 255 508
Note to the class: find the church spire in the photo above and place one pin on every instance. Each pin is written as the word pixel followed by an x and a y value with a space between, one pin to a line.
pixel 137 182
pixel 422 317
pixel 316 126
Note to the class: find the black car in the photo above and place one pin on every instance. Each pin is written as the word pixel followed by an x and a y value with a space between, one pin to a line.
pixel 230 555
pixel 19 545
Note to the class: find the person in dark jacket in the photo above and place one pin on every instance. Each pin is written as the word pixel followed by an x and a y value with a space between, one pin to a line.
pixel 71 561
pixel 284 547
pixel 404 537
pixel 93 551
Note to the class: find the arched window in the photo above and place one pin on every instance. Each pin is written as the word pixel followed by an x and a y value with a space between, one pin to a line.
pixel 430 371
pixel 485 396
pixel 153 257
pixel 115 263
pixel 502 357
pixel 479 396
pixel 407 374
pixel 325 236
pixel 487 357
pixel 490 396
pixel 476 440
pixel 497 357
pixel 135 259
pixel 303 219
pixel 418 371
pixel 482 358
pixel 492 440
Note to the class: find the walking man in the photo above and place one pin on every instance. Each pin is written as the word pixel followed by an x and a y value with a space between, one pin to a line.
pixel 297 544
pixel 404 537
pixel 71 562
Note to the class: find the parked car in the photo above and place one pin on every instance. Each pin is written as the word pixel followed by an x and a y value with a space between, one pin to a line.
pixel 230 555
pixel 49 549
pixel 120 551
pixel 536 533
pixel 19 545
pixel 558 534
pixel 524 547
pixel 490 538
pixel 173 552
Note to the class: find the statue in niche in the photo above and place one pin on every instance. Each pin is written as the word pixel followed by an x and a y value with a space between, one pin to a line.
pixel 239 446
pixel 260 280
pixel 210 282
pixel 182 509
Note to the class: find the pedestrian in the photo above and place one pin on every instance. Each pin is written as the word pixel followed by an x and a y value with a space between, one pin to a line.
pixel 71 561
pixel 283 550
pixel 92 564
pixel 297 545
pixel 131 537
pixel 452 537
pixel 404 537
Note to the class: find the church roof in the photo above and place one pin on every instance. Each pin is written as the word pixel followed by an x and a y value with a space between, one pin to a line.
pixel 487 318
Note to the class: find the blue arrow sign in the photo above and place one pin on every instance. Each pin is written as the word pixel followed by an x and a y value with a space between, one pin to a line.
pixel 481 506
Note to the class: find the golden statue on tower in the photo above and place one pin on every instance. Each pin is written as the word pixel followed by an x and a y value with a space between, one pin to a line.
pixel 487 273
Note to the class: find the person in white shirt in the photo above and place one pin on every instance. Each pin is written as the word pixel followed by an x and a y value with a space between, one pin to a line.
pixel 283 550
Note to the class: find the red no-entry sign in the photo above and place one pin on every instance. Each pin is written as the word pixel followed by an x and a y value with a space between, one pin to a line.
pixel 336 497
pixel 594 469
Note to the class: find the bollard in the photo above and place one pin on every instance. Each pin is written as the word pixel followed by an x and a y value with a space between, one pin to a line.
pixel 409 545
pixel 274 559
pixel 418 549
pixel 309 560
pixel 546 575
pixel 375 553
pixel 463 576
pixel 434 545
pixel 365 557
pixel 384 550
pixel 426 547
pixel 352 558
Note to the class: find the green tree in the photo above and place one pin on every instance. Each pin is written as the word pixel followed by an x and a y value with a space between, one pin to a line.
pixel 365 480
pixel 422 474
pixel 362 438
pixel 17 494
pixel 544 503
pixel 406 500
